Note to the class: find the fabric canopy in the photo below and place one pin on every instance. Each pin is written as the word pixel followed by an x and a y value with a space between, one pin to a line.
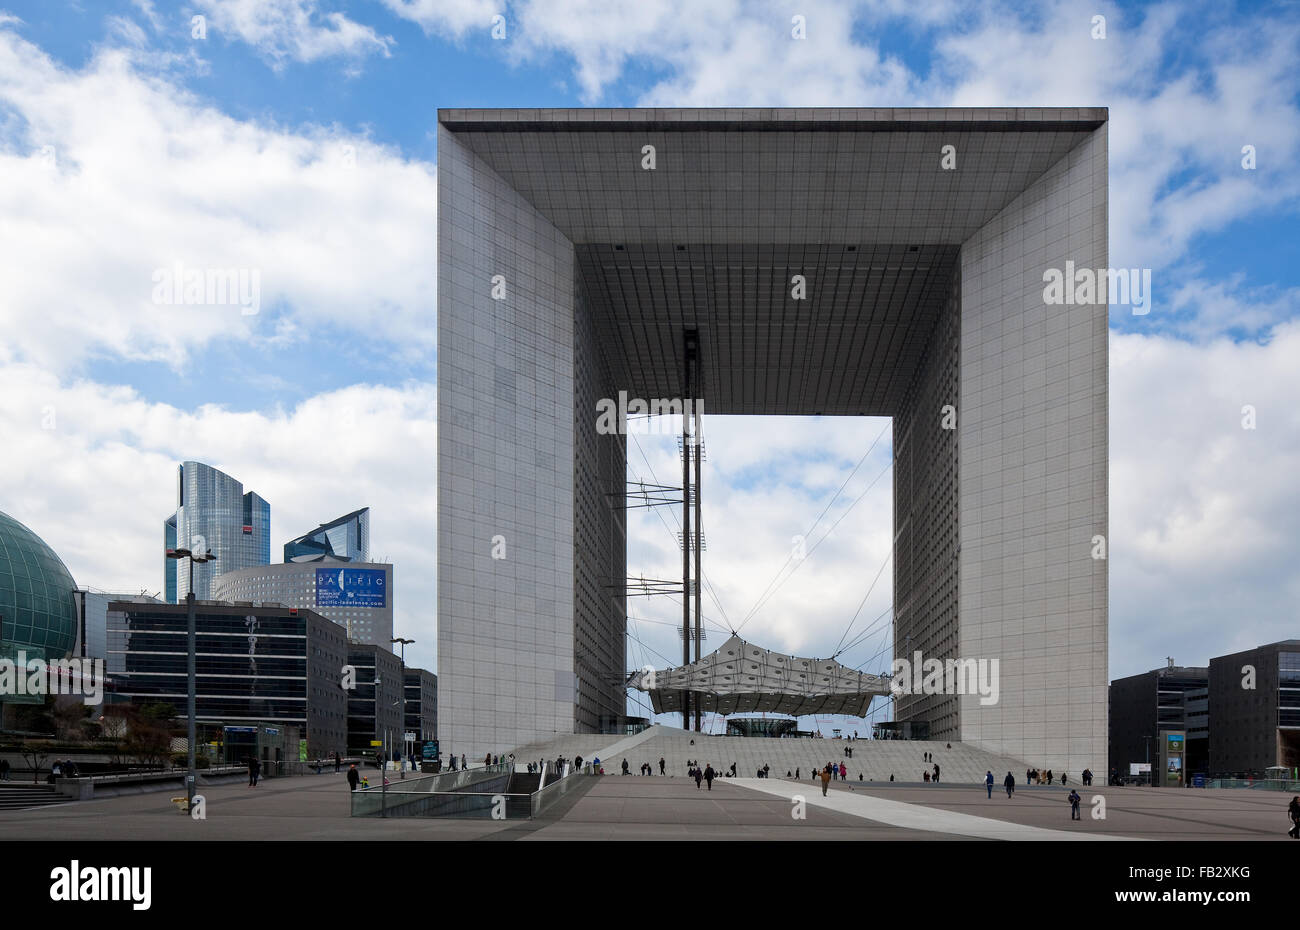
pixel 740 677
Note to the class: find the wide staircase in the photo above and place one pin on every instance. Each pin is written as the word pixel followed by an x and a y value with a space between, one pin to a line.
pixel 873 760
pixel 17 796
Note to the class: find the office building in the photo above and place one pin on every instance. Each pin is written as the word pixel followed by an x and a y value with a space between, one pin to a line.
pixel 345 539
pixel 92 619
pixel 255 665
pixel 374 704
pixel 421 703
pixel 792 261
pixel 1255 709
pixel 213 513
pixel 356 595
pixel 1141 706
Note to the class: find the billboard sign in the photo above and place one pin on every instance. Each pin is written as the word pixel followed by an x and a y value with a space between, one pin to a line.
pixel 1172 746
pixel 351 587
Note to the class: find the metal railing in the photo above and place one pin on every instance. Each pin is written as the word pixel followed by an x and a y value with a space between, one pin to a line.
pixel 402 794
pixel 445 795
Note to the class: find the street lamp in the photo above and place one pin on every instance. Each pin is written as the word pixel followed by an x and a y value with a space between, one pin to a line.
pixel 191 649
pixel 398 639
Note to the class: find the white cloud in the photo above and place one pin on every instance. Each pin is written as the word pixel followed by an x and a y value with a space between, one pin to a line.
pixel 97 485
pixel 112 173
pixel 766 481
pixel 448 17
pixel 1203 512
pixel 293 30
pixel 1187 86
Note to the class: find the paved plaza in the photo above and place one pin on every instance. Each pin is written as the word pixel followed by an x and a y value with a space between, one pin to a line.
pixel 615 807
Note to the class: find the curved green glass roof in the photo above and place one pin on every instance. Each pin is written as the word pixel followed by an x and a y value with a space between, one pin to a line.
pixel 36 604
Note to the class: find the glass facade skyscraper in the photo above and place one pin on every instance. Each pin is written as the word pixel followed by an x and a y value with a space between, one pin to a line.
pixel 345 539
pixel 214 512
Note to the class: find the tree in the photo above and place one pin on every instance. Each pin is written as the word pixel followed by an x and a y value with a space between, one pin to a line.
pixel 34 754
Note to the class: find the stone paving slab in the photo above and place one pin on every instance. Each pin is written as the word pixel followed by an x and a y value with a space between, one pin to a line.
pixel 315 807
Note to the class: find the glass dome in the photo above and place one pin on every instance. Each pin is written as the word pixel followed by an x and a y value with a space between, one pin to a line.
pixel 36 601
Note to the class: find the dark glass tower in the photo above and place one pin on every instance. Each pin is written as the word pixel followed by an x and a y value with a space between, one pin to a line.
pixel 214 512
pixel 345 539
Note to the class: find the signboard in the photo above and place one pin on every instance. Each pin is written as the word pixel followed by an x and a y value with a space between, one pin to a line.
pixel 351 587
pixel 302 750
pixel 376 742
pixel 1139 768
pixel 1171 758
pixel 408 737
pixel 430 750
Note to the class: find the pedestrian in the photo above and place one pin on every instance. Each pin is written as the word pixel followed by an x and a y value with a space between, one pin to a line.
pixel 826 779
pixel 699 777
pixel 709 775
pixel 338 763
pixel 661 766
pixel 1074 799
pixel 1293 811
pixel 988 781
pixel 4 769
pixel 354 777
pixel 926 775
pixel 891 776
pixel 796 774
pixel 1049 776
pixel 1087 778
pixel 624 766
pixel 254 769
pixel 936 773
pixel 1062 778
pixel 1010 784
pixel 463 763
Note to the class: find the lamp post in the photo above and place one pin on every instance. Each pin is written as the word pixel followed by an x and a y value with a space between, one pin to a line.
pixel 398 639
pixel 207 556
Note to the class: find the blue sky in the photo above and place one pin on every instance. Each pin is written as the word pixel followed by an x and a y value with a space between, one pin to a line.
pixel 228 150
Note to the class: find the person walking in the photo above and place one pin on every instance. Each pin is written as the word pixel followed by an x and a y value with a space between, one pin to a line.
pixel 1074 799
pixel 338 763
pixel 1293 811
pixel 699 777
pixel 709 775
pixel 624 766
pixel 796 774
pixel 988 782
pixel 936 773
pixel 826 779
pixel 254 769
pixel 661 766
pixel 4 769
pixel 354 777
pixel 1010 784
